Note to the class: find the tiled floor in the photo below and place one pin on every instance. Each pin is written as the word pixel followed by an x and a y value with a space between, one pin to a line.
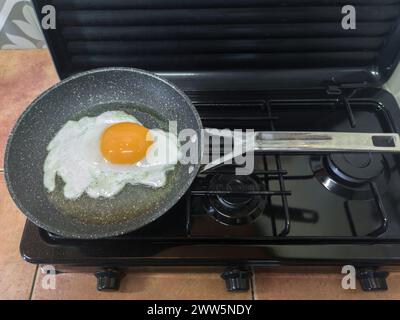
pixel 16 276
pixel 25 74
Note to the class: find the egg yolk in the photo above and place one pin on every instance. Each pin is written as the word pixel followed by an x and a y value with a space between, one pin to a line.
pixel 125 143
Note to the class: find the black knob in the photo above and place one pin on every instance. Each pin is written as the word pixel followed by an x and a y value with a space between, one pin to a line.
pixel 372 280
pixel 236 279
pixel 108 280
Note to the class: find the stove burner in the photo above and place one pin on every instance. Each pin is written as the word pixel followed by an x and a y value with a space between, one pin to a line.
pixel 240 207
pixel 356 167
pixel 349 175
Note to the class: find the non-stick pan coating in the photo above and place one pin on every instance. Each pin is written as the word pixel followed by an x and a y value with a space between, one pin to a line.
pixel 80 95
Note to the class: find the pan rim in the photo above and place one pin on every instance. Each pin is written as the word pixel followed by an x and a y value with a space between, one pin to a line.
pixel 107 234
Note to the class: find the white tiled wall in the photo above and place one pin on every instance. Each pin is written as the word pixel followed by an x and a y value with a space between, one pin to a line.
pixel 19 28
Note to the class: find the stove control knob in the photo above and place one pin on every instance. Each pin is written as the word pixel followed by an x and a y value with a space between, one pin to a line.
pixel 108 280
pixel 237 279
pixel 372 280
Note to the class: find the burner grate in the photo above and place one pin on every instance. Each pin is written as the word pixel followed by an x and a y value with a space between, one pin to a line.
pixel 381 210
pixel 266 175
pixel 262 117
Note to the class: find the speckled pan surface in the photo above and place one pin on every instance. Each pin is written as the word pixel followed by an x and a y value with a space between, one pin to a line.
pixel 150 98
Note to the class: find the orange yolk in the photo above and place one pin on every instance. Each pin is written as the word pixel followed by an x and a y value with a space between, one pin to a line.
pixel 125 143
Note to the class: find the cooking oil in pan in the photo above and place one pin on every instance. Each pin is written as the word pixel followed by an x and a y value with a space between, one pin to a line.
pixel 134 200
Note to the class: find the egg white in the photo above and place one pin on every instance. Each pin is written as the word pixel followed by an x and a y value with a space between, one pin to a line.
pixel 74 155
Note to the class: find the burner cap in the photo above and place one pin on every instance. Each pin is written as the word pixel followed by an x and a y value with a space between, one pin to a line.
pixel 236 209
pixel 356 167
pixel 347 174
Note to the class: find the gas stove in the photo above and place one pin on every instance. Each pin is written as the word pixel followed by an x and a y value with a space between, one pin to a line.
pixel 298 209
pixel 284 66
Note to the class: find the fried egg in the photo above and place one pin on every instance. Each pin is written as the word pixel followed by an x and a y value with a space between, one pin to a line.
pixel 100 155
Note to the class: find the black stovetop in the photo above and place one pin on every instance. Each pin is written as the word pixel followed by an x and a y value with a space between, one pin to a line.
pixel 303 209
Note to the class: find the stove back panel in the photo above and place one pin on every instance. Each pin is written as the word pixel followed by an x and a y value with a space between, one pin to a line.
pixel 216 44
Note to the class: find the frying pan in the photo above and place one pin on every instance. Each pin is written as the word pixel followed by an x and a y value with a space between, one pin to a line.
pixel 153 101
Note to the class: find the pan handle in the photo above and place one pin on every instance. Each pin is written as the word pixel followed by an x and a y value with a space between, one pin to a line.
pixel 308 142
pixel 281 141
